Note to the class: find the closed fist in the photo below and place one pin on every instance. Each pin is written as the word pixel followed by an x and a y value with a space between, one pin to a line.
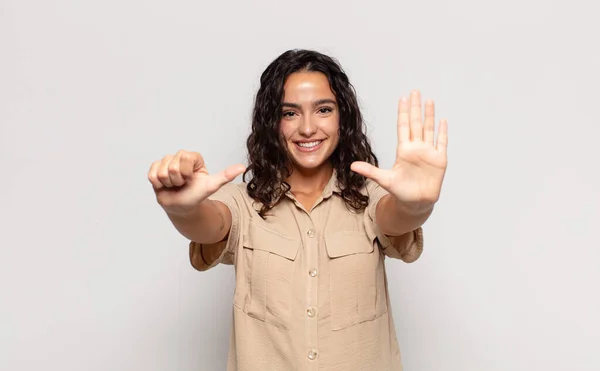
pixel 181 181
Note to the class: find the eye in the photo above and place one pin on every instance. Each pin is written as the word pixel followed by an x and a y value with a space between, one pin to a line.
pixel 325 110
pixel 288 113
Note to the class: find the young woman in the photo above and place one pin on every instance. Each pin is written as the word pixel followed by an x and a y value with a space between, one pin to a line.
pixel 309 231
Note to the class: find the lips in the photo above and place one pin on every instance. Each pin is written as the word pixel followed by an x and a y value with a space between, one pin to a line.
pixel 309 146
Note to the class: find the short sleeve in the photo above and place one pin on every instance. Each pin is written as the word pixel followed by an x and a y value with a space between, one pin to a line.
pixel 206 256
pixel 407 247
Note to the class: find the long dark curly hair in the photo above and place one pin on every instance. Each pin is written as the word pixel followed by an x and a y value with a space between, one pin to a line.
pixel 268 159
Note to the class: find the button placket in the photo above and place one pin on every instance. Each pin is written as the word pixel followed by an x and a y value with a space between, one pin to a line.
pixel 312 263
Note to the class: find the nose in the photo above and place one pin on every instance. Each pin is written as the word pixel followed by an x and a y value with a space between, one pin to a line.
pixel 307 127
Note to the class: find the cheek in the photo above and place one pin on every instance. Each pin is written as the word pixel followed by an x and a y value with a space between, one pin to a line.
pixel 332 128
pixel 336 141
pixel 285 130
pixel 334 133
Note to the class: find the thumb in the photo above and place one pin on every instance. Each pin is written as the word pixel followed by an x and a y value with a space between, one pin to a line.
pixel 372 172
pixel 229 174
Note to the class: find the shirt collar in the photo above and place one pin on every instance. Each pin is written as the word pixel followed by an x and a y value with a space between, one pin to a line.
pixel 332 186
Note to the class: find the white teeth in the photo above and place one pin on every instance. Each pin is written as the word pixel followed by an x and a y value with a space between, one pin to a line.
pixel 310 144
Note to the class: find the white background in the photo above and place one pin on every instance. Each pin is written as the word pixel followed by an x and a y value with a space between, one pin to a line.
pixel 94 277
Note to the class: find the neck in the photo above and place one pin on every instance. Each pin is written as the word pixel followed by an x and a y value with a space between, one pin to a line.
pixel 310 181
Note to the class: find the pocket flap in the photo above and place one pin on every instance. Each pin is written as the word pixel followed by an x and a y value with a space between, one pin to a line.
pixel 260 238
pixel 344 243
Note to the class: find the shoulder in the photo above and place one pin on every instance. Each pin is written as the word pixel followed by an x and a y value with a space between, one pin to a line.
pixel 235 195
pixel 375 193
pixel 235 189
pixel 232 192
pixel 369 186
pixel 372 189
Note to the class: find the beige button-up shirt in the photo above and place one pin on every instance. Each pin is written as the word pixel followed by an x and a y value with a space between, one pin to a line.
pixel 311 291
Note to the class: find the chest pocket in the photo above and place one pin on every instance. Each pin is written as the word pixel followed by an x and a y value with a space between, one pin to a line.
pixel 357 279
pixel 268 272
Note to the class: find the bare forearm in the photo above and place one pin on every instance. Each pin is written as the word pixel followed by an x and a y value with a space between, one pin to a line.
pixel 208 223
pixel 395 218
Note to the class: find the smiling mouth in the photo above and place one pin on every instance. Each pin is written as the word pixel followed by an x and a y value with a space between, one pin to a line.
pixel 309 146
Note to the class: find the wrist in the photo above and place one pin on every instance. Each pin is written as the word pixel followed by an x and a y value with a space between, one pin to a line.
pixel 186 211
pixel 413 208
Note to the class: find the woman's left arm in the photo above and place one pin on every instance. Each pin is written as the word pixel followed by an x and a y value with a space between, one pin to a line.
pixel 394 219
pixel 415 181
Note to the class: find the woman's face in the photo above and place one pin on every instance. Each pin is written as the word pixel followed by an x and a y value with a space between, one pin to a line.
pixel 309 120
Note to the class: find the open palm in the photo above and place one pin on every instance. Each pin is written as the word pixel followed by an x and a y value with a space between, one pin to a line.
pixel 420 165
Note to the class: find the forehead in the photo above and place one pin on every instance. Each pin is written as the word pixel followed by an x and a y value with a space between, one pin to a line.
pixel 307 86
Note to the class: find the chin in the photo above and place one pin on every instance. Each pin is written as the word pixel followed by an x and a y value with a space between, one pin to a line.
pixel 309 164
pixel 308 161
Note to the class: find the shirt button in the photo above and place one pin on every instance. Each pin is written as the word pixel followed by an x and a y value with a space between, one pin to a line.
pixel 313 272
pixel 310 233
pixel 312 354
pixel 311 312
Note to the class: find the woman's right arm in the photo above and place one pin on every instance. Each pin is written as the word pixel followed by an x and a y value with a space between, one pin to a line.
pixel 182 186
pixel 208 223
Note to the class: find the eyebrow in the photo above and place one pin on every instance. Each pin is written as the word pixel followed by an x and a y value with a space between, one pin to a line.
pixel 315 103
